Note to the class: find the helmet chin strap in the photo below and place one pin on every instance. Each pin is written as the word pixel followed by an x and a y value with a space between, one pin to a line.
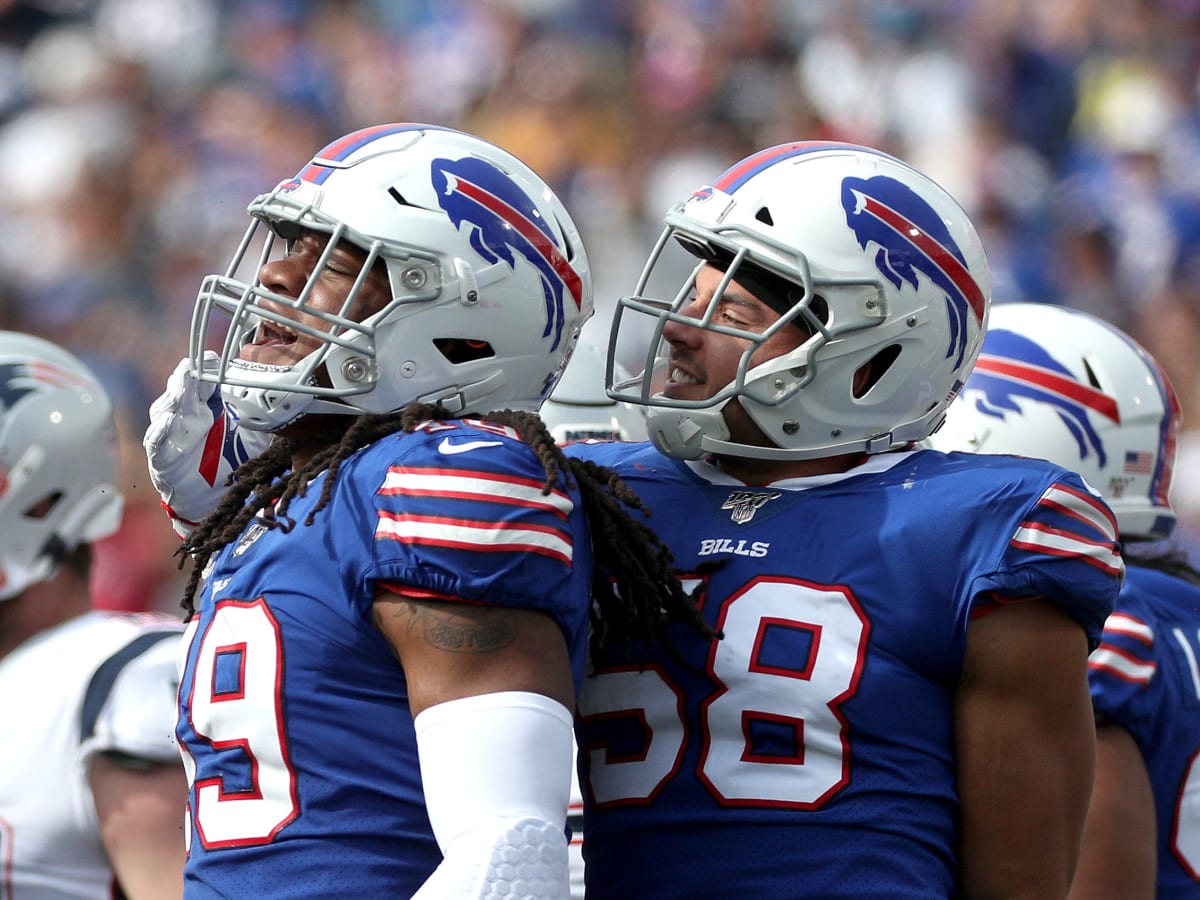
pixel 683 433
pixel 697 433
pixel 257 410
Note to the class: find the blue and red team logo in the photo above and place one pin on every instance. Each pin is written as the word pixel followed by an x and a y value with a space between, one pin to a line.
pixel 502 222
pixel 19 379
pixel 1012 368
pixel 912 240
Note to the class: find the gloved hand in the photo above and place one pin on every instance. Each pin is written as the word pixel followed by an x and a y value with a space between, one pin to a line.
pixel 193 444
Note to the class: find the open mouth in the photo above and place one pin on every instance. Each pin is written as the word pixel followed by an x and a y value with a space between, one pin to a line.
pixel 272 344
pixel 682 384
pixel 272 334
pixel 679 376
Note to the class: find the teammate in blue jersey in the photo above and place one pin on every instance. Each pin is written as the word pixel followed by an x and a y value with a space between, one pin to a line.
pixel 1065 386
pixel 91 789
pixel 899 705
pixel 390 607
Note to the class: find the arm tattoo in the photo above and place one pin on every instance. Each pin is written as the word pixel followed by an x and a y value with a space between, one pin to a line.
pixel 460 628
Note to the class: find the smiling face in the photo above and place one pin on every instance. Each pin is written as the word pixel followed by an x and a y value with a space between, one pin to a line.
pixel 702 362
pixel 274 344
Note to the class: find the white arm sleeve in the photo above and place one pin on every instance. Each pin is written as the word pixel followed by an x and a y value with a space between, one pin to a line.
pixel 496 770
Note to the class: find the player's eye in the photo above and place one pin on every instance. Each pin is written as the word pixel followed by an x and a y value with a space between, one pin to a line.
pixel 731 315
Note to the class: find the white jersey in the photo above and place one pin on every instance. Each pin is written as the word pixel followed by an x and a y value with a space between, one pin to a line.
pixel 98 683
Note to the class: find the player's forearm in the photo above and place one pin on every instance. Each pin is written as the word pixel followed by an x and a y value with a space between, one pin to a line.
pixel 1022 838
pixel 1025 744
pixel 1119 857
pixel 1021 872
pixel 141 826
pixel 1022 820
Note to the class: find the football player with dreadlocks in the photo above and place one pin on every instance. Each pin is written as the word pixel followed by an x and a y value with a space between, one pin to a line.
pixel 91 790
pixel 391 607
pixel 898 706
pixel 1063 385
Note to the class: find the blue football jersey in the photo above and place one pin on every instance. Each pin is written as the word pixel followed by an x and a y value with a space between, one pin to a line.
pixel 810 753
pixel 294 721
pixel 1145 677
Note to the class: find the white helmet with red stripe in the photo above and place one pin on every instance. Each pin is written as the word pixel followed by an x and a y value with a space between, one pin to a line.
pixel 489 280
pixel 877 261
pixel 58 460
pixel 1063 385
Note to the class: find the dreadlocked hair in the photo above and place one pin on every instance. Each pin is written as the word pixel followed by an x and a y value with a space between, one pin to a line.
pixel 635 594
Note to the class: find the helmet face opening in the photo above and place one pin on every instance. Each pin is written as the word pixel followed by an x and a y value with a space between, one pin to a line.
pixel 1063 385
pixel 487 278
pixel 232 308
pixel 657 315
pixel 879 267
pixel 776 291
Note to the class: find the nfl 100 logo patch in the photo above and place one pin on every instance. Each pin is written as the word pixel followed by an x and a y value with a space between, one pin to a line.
pixel 746 503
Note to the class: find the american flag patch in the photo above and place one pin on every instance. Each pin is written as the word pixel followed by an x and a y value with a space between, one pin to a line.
pixel 1139 462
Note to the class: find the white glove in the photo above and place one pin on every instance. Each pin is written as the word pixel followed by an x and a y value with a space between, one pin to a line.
pixel 193 444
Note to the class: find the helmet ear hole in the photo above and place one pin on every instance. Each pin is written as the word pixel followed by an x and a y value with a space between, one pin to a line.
pixel 463 350
pixel 870 372
pixel 43 507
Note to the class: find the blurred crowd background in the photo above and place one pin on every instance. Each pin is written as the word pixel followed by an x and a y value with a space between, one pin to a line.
pixel 134 132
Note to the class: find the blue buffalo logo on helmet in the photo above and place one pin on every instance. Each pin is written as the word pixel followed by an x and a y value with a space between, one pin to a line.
pixel 912 240
pixel 504 221
pixel 1013 368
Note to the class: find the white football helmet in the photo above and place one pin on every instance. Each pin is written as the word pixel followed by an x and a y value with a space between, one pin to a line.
pixel 871 256
pixel 1060 384
pixel 481 256
pixel 58 460
pixel 580 410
